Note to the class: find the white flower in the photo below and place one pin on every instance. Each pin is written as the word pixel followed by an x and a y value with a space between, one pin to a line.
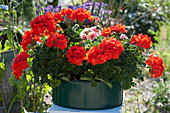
pixel 123 36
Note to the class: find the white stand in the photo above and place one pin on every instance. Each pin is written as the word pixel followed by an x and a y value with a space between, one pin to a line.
pixel 57 109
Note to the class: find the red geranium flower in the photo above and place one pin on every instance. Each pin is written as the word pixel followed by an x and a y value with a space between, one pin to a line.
pixel 157 66
pixel 119 28
pixel 95 56
pixel 106 32
pixel 142 41
pixel 57 40
pixel 81 14
pixel 76 54
pixel 112 48
pixel 19 64
pixel 29 38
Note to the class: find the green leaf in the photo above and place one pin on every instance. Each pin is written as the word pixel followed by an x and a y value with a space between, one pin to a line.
pixel 28 78
pixel 17 29
pixel 2 69
pixel 55 83
pixel 118 68
pixel 0 47
pixel 52 70
pixel 125 73
pixel 6 48
pixel 65 78
pixel 79 31
pixel 9 36
pixel 85 78
pixel 4 31
pixel 13 81
pixel 93 83
pixel 107 83
pixel 12 102
pixel 142 64
pixel 15 14
pixel 47 88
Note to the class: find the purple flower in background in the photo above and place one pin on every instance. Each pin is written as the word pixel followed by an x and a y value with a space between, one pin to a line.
pixel 70 6
pixel 106 5
pixel 98 4
pixel 49 8
pixel 102 4
pixel 74 7
pixel 96 8
pixel 45 10
pixel 79 6
pixel 105 17
pixel 110 12
pixel 102 11
pixel 85 7
pixel 56 9
pixel 38 9
pixel 88 2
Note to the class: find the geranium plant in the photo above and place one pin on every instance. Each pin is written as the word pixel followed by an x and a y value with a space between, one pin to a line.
pixel 71 45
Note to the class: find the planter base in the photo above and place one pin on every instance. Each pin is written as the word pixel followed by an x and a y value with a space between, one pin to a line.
pixel 58 109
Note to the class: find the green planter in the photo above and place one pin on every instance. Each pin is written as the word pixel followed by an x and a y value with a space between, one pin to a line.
pixel 81 95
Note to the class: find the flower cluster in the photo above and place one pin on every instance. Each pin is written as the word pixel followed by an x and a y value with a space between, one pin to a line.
pixel 20 63
pixel 57 40
pixel 82 14
pixel 157 66
pixel 142 41
pixel 90 33
pixel 76 55
pixel 29 38
pixel 114 29
pixel 109 48
pixel 44 23
pixel 47 25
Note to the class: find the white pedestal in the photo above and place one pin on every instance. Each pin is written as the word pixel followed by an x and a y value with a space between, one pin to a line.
pixel 57 109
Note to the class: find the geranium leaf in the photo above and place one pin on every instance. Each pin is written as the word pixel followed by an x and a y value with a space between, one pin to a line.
pixel 55 83
pixel 2 69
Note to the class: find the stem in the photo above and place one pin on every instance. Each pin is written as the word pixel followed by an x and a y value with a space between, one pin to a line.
pixel 18 4
pixel 34 99
pixel 121 5
pixel 20 89
pixel 3 101
pixel 141 17
pixel 31 92
pixel 89 38
pixel 41 104
pixel 11 27
pixel 72 2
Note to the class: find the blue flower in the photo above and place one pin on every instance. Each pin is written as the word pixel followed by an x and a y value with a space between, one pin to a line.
pixel 4 7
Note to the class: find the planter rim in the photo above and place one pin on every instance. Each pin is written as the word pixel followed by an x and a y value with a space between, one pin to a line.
pixel 7 51
pixel 86 81
pixel 8 56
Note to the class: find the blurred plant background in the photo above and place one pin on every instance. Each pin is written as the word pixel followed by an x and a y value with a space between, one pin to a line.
pixel 150 17
pixel 153 95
